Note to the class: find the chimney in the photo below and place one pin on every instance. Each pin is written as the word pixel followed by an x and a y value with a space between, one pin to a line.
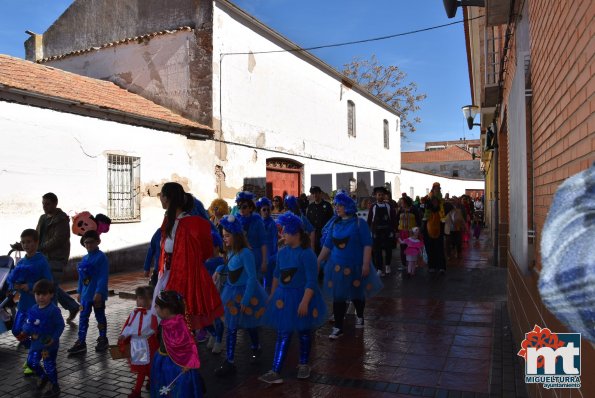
pixel 33 47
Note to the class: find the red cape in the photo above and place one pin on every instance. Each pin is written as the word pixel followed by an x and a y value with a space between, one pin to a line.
pixel 188 276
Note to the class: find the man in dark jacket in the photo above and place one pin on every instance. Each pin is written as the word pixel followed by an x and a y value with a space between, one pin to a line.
pixel 382 219
pixel 319 212
pixel 54 242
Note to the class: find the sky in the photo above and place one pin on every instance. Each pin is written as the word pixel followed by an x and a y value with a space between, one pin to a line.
pixel 436 60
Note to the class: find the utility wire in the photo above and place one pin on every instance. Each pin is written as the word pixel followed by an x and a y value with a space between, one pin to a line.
pixel 348 43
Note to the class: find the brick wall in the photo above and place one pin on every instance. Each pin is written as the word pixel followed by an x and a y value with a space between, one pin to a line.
pixel 563 140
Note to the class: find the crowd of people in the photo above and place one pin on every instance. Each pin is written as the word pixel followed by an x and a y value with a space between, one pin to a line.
pixel 259 264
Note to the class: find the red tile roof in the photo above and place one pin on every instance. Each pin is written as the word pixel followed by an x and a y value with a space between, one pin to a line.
pixel 58 85
pixel 450 154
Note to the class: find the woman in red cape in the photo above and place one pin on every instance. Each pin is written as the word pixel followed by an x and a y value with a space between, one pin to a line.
pixel 186 244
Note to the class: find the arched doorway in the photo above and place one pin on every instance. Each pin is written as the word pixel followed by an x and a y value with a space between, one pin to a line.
pixel 284 177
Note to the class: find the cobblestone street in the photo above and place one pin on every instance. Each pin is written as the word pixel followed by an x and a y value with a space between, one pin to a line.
pixel 432 336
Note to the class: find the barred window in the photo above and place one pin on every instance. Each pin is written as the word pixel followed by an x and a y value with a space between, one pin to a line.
pixel 386 142
pixel 350 118
pixel 123 188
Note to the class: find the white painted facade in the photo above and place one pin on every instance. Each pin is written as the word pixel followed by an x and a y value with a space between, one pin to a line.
pixel 283 102
pixel 48 151
pixel 419 184
pixel 274 105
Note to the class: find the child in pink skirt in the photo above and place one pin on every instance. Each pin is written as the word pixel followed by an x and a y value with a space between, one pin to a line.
pixel 413 250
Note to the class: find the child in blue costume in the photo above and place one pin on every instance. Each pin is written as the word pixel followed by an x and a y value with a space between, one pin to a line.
pixel 212 264
pixel 174 369
pixel 291 204
pixel 151 266
pixel 253 227
pixel 44 326
pixel 92 289
pixel 264 207
pixel 243 297
pixel 348 274
pixel 32 268
pixel 296 304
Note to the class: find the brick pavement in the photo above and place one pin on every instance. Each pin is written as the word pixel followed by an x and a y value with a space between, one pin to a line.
pixel 433 336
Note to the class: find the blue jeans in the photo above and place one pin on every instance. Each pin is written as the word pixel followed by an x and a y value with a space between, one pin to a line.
pixel 99 317
pixel 61 296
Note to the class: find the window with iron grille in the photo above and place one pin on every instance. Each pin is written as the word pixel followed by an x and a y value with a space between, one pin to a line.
pixel 386 143
pixel 123 188
pixel 350 118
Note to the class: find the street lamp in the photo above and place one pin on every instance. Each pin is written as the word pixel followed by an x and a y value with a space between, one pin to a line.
pixel 470 111
pixel 450 6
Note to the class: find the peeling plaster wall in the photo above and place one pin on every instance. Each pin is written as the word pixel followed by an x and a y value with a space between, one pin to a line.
pixel 89 23
pixel 157 69
pixel 173 70
pixel 282 102
pixel 71 161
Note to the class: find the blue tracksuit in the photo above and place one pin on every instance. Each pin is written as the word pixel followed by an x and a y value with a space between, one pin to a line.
pixel 93 276
pixel 29 270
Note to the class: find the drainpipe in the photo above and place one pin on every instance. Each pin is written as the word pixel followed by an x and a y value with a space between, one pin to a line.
pixel 496 215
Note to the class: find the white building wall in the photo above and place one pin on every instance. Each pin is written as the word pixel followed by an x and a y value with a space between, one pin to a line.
pixel 280 101
pixel 47 151
pixel 422 183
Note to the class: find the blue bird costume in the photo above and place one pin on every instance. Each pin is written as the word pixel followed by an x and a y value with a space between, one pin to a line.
pixel 296 271
pixel 241 289
pixel 343 279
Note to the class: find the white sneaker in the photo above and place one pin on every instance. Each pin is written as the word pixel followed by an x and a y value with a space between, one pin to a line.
pixel 359 323
pixel 211 342
pixel 387 269
pixel 380 273
pixel 335 334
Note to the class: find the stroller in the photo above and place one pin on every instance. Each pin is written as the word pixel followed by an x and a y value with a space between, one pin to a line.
pixel 7 305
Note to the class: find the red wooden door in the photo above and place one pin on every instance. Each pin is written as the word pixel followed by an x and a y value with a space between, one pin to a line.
pixel 283 182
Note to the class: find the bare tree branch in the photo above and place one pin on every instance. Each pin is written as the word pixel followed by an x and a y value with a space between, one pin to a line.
pixel 389 84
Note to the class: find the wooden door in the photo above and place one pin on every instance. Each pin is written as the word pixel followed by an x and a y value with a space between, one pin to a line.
pixel 283 182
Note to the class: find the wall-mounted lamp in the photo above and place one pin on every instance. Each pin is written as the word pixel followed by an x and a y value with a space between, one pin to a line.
pixel 470 111
pixel 450 6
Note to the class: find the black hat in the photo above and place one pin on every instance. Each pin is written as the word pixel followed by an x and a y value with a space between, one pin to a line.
pixel 315 189
pixel 380 189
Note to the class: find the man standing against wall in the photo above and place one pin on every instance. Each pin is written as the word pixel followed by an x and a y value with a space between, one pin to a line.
pixel 54 243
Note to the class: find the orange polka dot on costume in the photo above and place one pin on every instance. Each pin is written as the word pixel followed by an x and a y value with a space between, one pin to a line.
pixel 369 286
pixel 238 298
pixel 337 268
pixel 330 283
pixel 229 304
pixel 253 301
pixel 315 312
pixel 356 283
pixel 279 304
pixel 248 311
pixel 346 271
pixel 233 311
pixel 260 312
